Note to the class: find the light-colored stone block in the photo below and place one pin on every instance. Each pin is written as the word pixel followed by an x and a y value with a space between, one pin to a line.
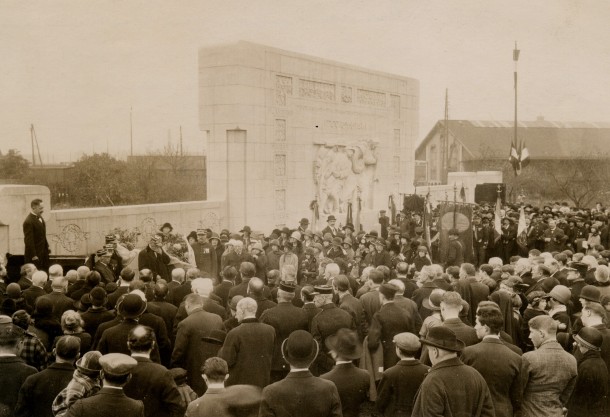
pixel 315 129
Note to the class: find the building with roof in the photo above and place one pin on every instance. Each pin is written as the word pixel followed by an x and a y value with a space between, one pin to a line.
pixel 561 151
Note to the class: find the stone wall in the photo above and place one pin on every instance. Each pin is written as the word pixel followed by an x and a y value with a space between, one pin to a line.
pixel 78 232
pixel 285 129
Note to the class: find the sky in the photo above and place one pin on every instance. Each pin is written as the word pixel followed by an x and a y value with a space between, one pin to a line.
pixel 74 69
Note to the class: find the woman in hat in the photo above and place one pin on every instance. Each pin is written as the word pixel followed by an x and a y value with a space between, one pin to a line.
pixel 421 259
pixel 308 272
pixel 72 324
pixel 85 383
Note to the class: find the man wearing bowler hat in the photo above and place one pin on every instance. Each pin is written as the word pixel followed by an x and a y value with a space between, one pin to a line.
pixel 300 394
pixel 451 388
pixel 330 228
pixel 351 382
pixel 110 401
pixel 400 383
pixel 303 225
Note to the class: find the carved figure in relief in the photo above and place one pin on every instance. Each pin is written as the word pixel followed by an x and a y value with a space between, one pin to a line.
pixel 340 170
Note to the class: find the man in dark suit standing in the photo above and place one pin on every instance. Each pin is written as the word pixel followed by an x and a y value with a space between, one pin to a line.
pixel 284 318
pixel 350 304
pixel 387 323
pixel 248 348
pixel 300 394
pixel 150 382
pixel 110 401
pixel 308 294
pixel 400 383
pixel 499 366
pixel 325 324
pixel 35 237
pixel 188 353
pixel 351 382
pixel 153 257
pixel 330 228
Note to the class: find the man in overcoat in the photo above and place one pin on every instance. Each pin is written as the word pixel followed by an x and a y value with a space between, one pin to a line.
pixel 451 388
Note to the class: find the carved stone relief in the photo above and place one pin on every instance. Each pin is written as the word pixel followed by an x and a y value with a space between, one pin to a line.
pixel 346 94
pixel 70 237
pixel 316 90
pixel 371 98
pixel 342 171
pixel 280 165
pixel 280 130
pixel 283 88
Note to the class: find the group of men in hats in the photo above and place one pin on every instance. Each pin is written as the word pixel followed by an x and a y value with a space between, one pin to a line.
pixel 250 333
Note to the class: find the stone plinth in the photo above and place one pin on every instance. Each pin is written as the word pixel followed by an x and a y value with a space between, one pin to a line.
pixel 285 129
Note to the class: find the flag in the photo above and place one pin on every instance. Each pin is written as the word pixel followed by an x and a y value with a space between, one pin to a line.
pixel 463 193
pixel 427 221
pixel 514 158
pixel 522 230
pixel 497 220
pixel 392 209
pixel 524 155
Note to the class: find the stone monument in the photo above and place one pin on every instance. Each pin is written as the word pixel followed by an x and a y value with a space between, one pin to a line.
pixel 285 129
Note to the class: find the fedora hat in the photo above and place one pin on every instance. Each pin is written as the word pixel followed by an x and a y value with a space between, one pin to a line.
pixel 131 306
pixel 443 338
pixel 345 343
pixel 300 349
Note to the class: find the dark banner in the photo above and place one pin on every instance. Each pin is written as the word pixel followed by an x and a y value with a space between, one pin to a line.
pixel 455 216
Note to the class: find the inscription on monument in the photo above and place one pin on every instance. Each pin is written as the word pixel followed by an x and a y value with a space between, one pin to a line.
pixel 338 125
pixel 316 90
pixel 280 130
pixel 371 98
pixel 346 94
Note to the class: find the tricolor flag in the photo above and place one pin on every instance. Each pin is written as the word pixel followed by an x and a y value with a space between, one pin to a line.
pixel 524 155
pixel 498 220
pixel 514 158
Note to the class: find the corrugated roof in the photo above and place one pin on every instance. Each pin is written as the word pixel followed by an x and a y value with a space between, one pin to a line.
pixel 544 139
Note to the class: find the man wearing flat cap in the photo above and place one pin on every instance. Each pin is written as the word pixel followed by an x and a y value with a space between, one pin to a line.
pixel 451 388
pixel 387 323
pixel 351 382
pixel 110 401
pixel 400 383
pixel 300 394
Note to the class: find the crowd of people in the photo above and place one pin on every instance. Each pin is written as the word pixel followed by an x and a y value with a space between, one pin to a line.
pixel 330 323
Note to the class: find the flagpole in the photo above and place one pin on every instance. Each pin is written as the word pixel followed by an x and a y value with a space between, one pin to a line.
pixel 516 59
